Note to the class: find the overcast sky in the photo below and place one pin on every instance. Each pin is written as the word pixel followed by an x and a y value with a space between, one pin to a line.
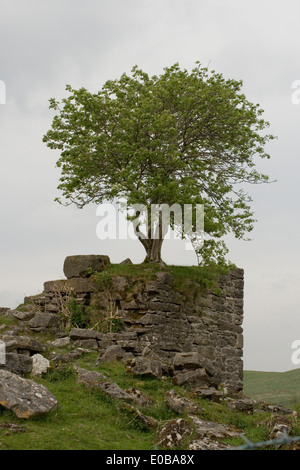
pixel 47 44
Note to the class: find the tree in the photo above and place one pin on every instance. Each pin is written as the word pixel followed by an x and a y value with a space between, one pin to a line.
pixel 177 138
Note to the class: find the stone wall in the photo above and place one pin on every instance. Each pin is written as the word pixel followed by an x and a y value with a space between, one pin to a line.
pixel 193 335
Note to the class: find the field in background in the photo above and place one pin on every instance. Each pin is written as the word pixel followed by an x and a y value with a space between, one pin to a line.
pixel 281 388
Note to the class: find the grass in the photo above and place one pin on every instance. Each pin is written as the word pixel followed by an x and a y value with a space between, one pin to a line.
pixel 89 420
pixel 281 388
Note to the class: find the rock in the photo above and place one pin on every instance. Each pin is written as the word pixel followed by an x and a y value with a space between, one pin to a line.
pixel 241 404
pixel 84 265
pixel 165 278
pixel 23 344
pixel 147 421
pixel 73 286
pixel 24 316
pixel 126 261
pixel 213 430
pixel 15 428
pixel 194 378
pixel 43 321
pixel 81 333
pixel 180 404
pixel 89 378
pixel 20 364
pixel 192 360
pixel 209 392
pixel 170 435
pixel 208 444
pixel 278 409
pixel 67 357
pixel 144 366
pixel 61 342
pixel 89 344
pixel 40 365
pixel 138 397
pixel 24 397
pixel 114 353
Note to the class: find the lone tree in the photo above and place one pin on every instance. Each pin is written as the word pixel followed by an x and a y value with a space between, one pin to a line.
pixel 177 138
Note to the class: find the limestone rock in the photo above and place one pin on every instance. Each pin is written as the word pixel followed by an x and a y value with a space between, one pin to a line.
pixel 84 265
pixel 24 397
pixel 22 343
pixel 40 365
pixel 144 366
pixel 194 378
pixel 214 430
pixel 114 353
pixel 20 364
pixel 170 435
pixel 61 342
pixel 180 404
pixel 241 404
pixel 147 421
pixel 43 321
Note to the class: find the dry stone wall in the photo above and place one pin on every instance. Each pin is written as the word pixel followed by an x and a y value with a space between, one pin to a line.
pixel 195 336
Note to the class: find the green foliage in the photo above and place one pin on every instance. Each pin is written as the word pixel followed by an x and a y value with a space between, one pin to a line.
pixel 180 137
pixel 78 315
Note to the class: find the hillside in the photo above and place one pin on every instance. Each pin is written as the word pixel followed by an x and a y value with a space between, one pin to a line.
pixel 273 387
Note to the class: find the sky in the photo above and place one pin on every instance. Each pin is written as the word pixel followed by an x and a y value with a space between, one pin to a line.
pixel 45 45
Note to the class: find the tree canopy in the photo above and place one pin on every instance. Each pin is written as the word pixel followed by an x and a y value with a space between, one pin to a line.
pixel 177 138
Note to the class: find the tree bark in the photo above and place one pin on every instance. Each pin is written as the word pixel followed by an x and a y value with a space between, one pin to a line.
pixel 153 245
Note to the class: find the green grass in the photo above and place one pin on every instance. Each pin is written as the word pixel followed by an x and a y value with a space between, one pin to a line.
pixel 281 388
pixel 89 420
pixel 184 276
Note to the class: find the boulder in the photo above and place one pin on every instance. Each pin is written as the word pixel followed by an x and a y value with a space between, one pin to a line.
pixel 20 364
pixel 180 404
pixel 84 265
pixel 22 344
pixel 144 366
pixel 241 404
pixel 24 397
pixel 193 378
pixel 114 353
pixel 43 321
pixel 40 365
pixel 170 435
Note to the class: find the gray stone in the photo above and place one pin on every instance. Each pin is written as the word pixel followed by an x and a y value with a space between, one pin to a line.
pixel 147 421
pixel 170 435
pixel 20 364
pixel 45 321
pixel 180 404
pixel 144 366
pixel 22 343
pixel 193 378
pixel 24 397
pixel 241 404
pixel 214 430
pixel 40 365
pixel 61 342
pixel 84 265
pixel 81 333
pixel 72 286
pixel 114 353
pixel 24 316
pixel 126 261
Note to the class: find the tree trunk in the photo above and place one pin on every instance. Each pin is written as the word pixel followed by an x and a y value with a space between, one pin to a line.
pixel 153 245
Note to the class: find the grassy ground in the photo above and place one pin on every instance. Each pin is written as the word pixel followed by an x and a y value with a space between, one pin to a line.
pixel 88 420
pixel 274 387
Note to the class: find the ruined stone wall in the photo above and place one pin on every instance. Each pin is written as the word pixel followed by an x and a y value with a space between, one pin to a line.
pixel 193 335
